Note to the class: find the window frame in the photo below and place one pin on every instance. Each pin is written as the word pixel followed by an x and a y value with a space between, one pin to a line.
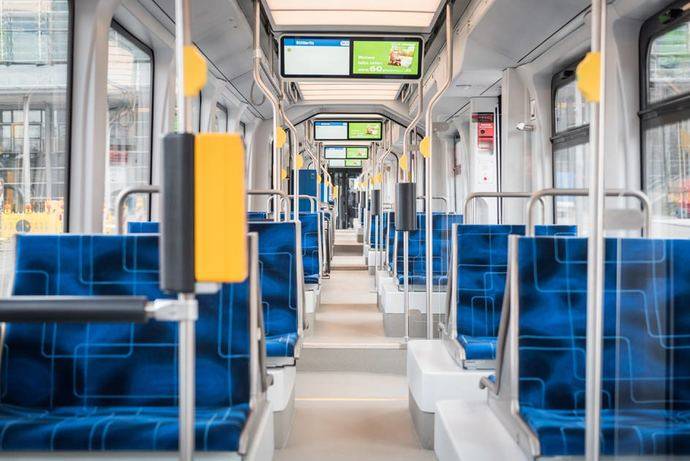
pixel 666 111
pixel 223 108
pixel 115 25
pixel 571 137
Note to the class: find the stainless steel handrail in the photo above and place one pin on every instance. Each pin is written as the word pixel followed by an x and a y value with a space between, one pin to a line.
pixel 641 196
pixel 476 195
pixel 122 197
pixel 437 197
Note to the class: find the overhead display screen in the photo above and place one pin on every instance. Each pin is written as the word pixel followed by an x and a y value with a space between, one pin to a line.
pixel 360 131
pixel 361 153
pixel 342 130
pixel 353 163
pixel 330 131
pixel 346 152
pixel 332 152
pixel 397 58
pixel 315 57
pixel 336 163
pixel 383 57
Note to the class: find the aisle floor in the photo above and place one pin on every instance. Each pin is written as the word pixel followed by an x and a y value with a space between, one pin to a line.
pixel 343 416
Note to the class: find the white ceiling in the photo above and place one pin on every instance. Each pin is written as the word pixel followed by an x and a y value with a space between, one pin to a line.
pixel 349 91
pixel 394 15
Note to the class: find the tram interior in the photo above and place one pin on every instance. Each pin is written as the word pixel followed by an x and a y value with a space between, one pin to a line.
pixel 301 230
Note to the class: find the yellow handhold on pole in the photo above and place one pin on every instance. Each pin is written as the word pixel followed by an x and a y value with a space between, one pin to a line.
pixel 299 161
pixel 378 178
pixel 336 191
pixel 281 137
pixel 283 174
pixel 318 178
pixel 588 76
pixel 195 71
pixel 425 147
pixel 404 162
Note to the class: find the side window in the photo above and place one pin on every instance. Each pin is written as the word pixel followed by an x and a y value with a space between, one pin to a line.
pixel 570 146
pixel 35 60
pixel 665 120
pixel 130 98
pixel 219 122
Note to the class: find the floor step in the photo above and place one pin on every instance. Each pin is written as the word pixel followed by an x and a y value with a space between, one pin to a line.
pixel 388 358
pixel 348 249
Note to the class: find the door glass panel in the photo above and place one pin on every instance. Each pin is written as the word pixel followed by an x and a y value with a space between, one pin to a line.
pixel 669 64
pixel 130 67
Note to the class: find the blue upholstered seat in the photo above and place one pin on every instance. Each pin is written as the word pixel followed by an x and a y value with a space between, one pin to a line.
pixel 114 386
pixel 389 220
pixel 481 276
pixel 442 225
pixel 143 227
pixel 279 285
pixel 310 246
pixel 646 368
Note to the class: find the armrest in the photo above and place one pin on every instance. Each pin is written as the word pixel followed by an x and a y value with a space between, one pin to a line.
pixel 25 309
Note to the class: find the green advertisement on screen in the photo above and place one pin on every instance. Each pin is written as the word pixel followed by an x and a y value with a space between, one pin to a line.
pixel 358 131
pixel 353 163
pixel 378 57
pixel 361 153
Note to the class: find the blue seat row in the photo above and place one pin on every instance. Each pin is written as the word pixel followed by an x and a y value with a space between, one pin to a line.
pixel 481 253
pixel 442 224
pixel 278 273
pixel 113 387
pixel 646 367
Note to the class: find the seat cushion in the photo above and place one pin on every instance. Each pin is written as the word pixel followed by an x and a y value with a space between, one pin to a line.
pixel 478 347
pixel 281 345
pixel 116 428
pixel 311 279
pixel 624 432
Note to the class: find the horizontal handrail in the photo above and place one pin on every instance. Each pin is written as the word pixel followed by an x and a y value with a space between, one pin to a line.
pixel 443 199
pixel 641 196
pixel 122 197
pixel 34 309
pixel 313 203
pixel 476 195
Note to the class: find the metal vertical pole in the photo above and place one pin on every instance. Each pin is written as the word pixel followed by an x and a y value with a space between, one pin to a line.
pixel 26 155
pixel 596 247
pixel 377 226
pixel 295 170
pixel 275 104
pixel 187 334
pixel 428 175
pixel 406 283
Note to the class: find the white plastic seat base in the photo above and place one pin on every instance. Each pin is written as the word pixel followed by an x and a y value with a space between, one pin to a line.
pixel 281 395
pixel 393 300
pixel 469 431
pixel 432 376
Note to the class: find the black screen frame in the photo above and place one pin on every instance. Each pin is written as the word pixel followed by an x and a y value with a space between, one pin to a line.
pixel 352 39
pixel 348 121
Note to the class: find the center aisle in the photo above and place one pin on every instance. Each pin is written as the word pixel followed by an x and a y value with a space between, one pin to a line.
pixel 351 391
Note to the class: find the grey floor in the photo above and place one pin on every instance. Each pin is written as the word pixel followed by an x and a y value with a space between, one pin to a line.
pixel 357 411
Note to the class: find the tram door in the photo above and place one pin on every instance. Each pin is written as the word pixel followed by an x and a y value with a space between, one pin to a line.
pixel 347 205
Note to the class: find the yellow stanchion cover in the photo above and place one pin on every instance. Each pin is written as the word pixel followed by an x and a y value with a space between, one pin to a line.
pixel 299 161
pixel 195 71
pixel 424 147
pixel 220 200
pixel 588 77
pixel 281 137
pixel 404 162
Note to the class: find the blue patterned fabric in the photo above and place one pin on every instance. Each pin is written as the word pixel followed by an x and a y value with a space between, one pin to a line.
pixel 646 368
pixel 114 386
pixel 279 287
pixel 310 246
pixel 258 216
pixel 481 278
pixel 442 225
pixel 143 227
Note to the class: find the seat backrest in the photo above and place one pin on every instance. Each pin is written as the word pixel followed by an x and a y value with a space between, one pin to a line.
pixel 143 227
pixel 278 272
pixel 442 225
pixel 482 259
pixel 310 243
pixel 646 329
pixel 53 365
pixel 389 219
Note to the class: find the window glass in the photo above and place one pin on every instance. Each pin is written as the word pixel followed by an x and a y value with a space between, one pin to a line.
pixel 570 172
pixel 219 122
pixel 669 64
pixel 130 67
pixel 570 108
pixel 34 116
pixel 667 175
